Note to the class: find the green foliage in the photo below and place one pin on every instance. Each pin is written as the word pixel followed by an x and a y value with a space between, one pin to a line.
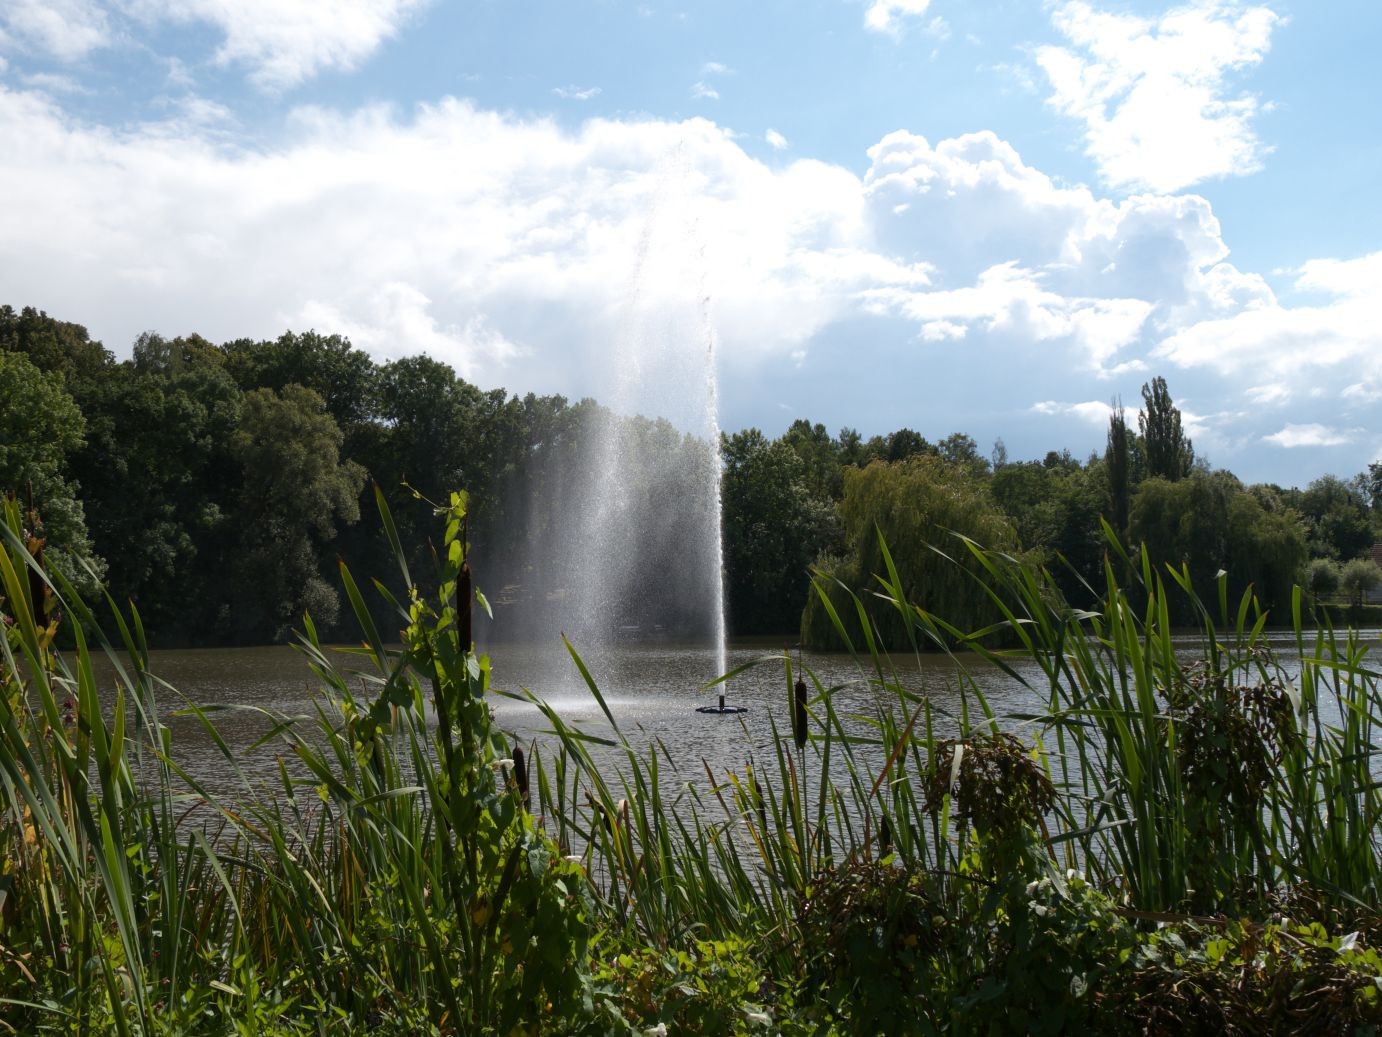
pixel 774 527
pixel 910 871
pixel 40 426
pixel 714 986
pixel 1337 514
pixel 1359 576
pixel 1322 577
pixel 1117 465
pixel 396 882
pixel 1169 453
pixel 294 488
pixel 915 505
pixel 1208 523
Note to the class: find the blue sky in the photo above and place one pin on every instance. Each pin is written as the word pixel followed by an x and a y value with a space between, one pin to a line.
pixel 984 217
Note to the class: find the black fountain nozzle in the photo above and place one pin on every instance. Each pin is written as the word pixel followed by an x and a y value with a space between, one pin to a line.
pixel 722 702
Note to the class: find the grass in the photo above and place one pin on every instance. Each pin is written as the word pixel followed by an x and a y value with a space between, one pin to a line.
pixel 870 875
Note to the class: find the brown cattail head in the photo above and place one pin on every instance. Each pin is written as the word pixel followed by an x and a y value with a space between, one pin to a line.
pixel 885 837
pixel 799 713
pixel 38 587
pixel 761 804
pixel 520 774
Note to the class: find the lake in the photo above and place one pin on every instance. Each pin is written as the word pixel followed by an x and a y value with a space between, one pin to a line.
pixel 652 690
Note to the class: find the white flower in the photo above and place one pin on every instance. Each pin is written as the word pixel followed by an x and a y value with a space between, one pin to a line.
pixel 660 1030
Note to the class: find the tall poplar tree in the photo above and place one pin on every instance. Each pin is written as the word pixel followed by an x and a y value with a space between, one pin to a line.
pixel 1170 454
pixel 1117 461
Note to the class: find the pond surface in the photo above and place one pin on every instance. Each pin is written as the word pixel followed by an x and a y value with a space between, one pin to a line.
pixel 652 691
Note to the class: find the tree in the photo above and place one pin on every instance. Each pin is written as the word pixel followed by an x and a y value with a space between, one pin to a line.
pixel 1372 481
pixel 40 426
pixel 960 449
pixel 1322 577
pixel 294 490
pixel 1169 453
pixel 905 443
pixel 53 346
pixel 327 364
pixel 1117 461
pixel 916 503
pixel 821 469
pixel 1340 526
pixel 1208 522
pixel 159 482
pixel 1359 576
pixel 774 528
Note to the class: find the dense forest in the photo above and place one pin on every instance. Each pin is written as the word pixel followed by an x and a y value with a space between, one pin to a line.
pixel 214 485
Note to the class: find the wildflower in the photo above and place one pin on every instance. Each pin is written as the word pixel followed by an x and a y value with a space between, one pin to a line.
pixel 660 1030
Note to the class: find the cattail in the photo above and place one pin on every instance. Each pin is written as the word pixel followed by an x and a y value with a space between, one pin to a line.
pixel 38 588
pixel 799 714
pixel 520 774
pixel 761 803
pixel 885 837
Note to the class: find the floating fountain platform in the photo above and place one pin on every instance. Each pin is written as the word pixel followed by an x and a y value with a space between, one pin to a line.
pixel 722 709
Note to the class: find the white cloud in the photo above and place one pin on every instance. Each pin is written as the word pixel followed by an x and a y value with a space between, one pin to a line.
pixel 1310 435
pixel 514 248
pixel 1093 411
pixel 1012 302
pixel 285 42
pixel 702 90
pixel 54 83
pixel 1152 93
pixel 775 140
pixel 1339 337
pixel 472 234
pixel 66 29
pixel 715 68
pixel 1268 395
pixel 576 93
pixel 887 15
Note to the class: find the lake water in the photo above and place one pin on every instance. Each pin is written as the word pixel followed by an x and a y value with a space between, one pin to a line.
pixel 653 692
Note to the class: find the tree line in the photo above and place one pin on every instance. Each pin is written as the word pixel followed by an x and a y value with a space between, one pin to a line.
pixel 215 485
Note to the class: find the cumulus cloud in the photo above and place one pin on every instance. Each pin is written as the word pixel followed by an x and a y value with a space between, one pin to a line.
pixel 775 140
pixel 1339 337
pixel 470 233
pixel 515 249
pixel 703 91
pixel 285 42
pixel 66 29
pixel 888 15
pixel 1153 94
pixel 1310 435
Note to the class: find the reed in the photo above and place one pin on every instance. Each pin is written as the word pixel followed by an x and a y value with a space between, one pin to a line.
pixel 931 866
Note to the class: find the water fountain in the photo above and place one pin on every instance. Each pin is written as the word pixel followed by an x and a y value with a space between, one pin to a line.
pixel 637 556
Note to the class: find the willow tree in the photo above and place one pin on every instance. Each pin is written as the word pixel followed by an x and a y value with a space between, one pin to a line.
pixel 915 505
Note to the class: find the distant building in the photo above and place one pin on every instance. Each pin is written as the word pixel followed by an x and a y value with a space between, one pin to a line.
pixel 1374 596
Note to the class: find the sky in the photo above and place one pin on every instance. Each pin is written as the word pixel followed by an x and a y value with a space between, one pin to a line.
pixel 990 216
